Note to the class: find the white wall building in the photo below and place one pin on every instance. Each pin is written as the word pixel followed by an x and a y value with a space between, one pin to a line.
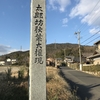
pixel 2 62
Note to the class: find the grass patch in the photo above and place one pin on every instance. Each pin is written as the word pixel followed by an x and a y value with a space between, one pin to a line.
pixel 16 86
pixel 13 87
pixel 57 87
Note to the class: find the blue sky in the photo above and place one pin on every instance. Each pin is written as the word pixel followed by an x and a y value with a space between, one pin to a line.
pixel 63 19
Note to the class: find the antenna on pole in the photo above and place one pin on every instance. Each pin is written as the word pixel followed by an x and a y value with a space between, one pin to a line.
pixel 20 48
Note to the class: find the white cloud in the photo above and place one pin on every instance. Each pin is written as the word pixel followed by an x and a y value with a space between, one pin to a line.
pixel 88 10
pixel 83 7
pixel 94 30
pixel 52 3
pixel 59 4
pixel 12 50
pixel 64 25
pixel 77 0
pixel 92 19
pixel 4 49
pixel 64 22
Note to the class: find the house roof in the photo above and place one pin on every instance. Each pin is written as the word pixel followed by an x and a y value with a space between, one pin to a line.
pixel 93 56
pixel 50 59
pixel 86 54
pixel 97 42
pixel 70 57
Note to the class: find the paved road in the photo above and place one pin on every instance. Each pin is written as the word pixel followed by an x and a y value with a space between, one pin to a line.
pixel 88 85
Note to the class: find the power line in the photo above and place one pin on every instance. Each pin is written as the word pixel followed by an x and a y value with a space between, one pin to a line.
pixel 92 40
pixel 95 6
pixel 92 11
pixel 90 37
pixel 93 23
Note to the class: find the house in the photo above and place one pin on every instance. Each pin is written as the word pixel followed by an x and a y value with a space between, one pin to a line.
pixel 58 62
pixel 10 61
pixel 68 60
pixel 2 63
pixel 95 58
pixel 50 62
pixel 97 45
pixel 13 61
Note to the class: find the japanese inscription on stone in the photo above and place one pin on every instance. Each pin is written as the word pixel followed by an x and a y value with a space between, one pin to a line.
pixel 38 31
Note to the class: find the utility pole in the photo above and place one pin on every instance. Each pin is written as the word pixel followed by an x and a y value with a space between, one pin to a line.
pixel 55 44
pixel 64 53
pixel 78 36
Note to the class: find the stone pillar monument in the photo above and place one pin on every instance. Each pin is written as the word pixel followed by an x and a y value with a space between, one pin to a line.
pixel 37 69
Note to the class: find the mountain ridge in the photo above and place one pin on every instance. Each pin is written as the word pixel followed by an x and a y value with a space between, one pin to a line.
pixel 53 50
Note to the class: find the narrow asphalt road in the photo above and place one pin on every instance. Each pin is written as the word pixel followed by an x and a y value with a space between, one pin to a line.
pixel 88 85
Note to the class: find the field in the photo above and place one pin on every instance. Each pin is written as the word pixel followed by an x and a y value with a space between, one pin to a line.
pixel 14 85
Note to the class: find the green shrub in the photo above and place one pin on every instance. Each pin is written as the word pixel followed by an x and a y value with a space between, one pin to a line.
pixel 93 68
pixel 21 73
pixel 74 65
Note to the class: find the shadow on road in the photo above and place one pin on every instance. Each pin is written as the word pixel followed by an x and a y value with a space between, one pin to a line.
pixel 93 86
pixel 82 91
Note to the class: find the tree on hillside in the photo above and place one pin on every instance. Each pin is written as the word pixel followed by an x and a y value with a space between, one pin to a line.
pixel 60 54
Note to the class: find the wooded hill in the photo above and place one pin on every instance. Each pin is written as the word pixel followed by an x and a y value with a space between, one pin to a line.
pixel 22 57
pixel 57 50
pixel 68 49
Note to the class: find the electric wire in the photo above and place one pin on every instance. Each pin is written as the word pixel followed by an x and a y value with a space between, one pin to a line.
pixel 92 17
pixel 90 37
pixel 92 11
pixel 95 21
pixel 92 40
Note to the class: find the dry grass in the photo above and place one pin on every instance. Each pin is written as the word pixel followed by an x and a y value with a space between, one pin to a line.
pixel 57 88
pixel 17 88
pixel 13 88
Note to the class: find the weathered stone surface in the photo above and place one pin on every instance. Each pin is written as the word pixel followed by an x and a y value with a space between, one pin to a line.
pixel 37 89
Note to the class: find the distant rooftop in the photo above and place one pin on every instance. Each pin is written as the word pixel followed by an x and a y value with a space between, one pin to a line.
pixel 97 42
pixel 93 56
